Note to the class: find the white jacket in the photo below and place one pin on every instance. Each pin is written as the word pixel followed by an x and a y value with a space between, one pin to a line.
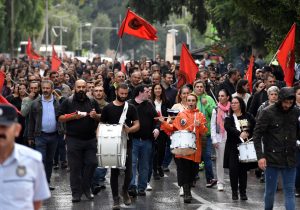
pixel 216 137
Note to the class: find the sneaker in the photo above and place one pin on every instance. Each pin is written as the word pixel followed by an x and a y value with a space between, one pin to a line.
pixel 297 193
pixel 161 172
pixel 181 193
pixel 148 188
pixel 132 192
pixel 201 166
pixel 211 183
pixel 126 198
pixel 220 187
pixel 141 193
pixel 116 205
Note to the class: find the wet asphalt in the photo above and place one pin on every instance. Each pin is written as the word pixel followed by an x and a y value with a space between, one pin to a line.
pixel 164 196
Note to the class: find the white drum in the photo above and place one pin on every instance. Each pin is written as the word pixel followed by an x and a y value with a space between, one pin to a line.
pixel 247 152
pixel 183 143
pixel 112 146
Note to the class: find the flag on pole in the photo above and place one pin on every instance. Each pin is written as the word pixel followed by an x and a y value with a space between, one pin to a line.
pixel 31 53
pixel 249 74
pixel 286 56
pixel 136 26
pixel 56 62
pixel 188 68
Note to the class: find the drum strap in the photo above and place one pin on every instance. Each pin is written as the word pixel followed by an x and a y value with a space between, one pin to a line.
pixel 195 116
pixel 124 113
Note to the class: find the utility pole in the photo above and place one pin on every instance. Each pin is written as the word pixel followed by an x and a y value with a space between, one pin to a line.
pixel 47 28
pixel 12 28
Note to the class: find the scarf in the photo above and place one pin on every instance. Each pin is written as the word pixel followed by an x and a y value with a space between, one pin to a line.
pixel 221 114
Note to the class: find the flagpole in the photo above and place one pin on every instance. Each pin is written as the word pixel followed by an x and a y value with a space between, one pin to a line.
pixel 117 49
pixel 273 57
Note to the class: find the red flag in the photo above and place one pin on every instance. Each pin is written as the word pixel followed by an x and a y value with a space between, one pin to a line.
pixel 2 78
pixel 249 73
pixel 123 68
pixel 4 101
pixel 286 56
pixel 56 62
pixel 31 53
pixel 136 26
pixel 188 68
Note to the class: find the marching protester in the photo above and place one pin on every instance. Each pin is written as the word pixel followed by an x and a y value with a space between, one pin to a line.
pixel 23 180
pixel 206 104
pixel 278 129
pixel 43 128
pixel 187 166
pixel 111 114
pixel 218 133
pixel 81 114
pixel 142 140
pixel 239 126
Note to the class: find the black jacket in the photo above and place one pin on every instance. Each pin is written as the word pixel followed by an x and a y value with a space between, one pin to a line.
pixel 35 118
pixel 279 131
pixel 228 86
pixel 231 153
pixel 257 100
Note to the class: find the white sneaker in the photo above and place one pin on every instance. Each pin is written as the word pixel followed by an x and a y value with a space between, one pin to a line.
pixel 181 193
pixel 148 188
pixel 220 187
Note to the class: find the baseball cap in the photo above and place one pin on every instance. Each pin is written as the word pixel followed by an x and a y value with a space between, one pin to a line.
pixel 8 115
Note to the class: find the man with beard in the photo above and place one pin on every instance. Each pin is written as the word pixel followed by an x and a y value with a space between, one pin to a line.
pixel 277 129
pixel 58 84
pixel 34 89
pixel 23 181
pixel 43 128
pixel 146 77
pixel 111 115
pixel 81 114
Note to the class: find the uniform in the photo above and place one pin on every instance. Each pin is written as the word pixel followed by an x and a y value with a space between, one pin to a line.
pixel 22 179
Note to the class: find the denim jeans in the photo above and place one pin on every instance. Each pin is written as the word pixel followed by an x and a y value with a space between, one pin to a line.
pixel 288 181
pixel 61 152
pixel 99 176
pixel 141 154
pixel 46 144
pixel 206 157
pixel 168 154
pixel 297 183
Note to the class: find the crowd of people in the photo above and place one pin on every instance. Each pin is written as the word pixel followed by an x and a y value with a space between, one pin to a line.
pixel 61 110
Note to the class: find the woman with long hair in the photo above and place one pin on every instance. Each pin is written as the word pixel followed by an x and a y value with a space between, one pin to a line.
pixel 191 120
pixel 161 104
pixel 242 89
pixel 239 126
pixel 218 133
pixel 181 103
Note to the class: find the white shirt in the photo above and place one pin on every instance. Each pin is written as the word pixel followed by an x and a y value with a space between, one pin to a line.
pixel 22 179
pixel 216 137
pixel 158 106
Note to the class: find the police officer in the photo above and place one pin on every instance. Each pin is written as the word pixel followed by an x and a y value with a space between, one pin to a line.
pixel 22 177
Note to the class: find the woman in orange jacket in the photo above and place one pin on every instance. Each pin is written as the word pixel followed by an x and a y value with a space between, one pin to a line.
pixel 194 121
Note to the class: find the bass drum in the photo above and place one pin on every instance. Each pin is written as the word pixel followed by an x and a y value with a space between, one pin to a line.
pixel 112 146
pixel 183 143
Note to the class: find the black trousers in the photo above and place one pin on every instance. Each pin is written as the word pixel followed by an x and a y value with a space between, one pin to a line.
pixel 186 171
pixel 83 162
pixel 159 150
pixel 237 174
pixel 114 176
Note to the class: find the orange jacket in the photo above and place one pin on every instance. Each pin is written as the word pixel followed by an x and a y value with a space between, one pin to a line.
pixel 185 121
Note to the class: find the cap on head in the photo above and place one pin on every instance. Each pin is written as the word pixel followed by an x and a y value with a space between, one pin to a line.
pixel 8 115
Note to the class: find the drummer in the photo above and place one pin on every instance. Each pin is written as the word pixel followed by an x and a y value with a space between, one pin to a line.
pixel 187 166
pixel 239 126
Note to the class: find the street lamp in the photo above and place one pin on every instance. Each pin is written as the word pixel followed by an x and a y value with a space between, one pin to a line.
pixel 65 29
pixel 188 35
pixel 100 28
pixel 80 33
pixel 60 26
